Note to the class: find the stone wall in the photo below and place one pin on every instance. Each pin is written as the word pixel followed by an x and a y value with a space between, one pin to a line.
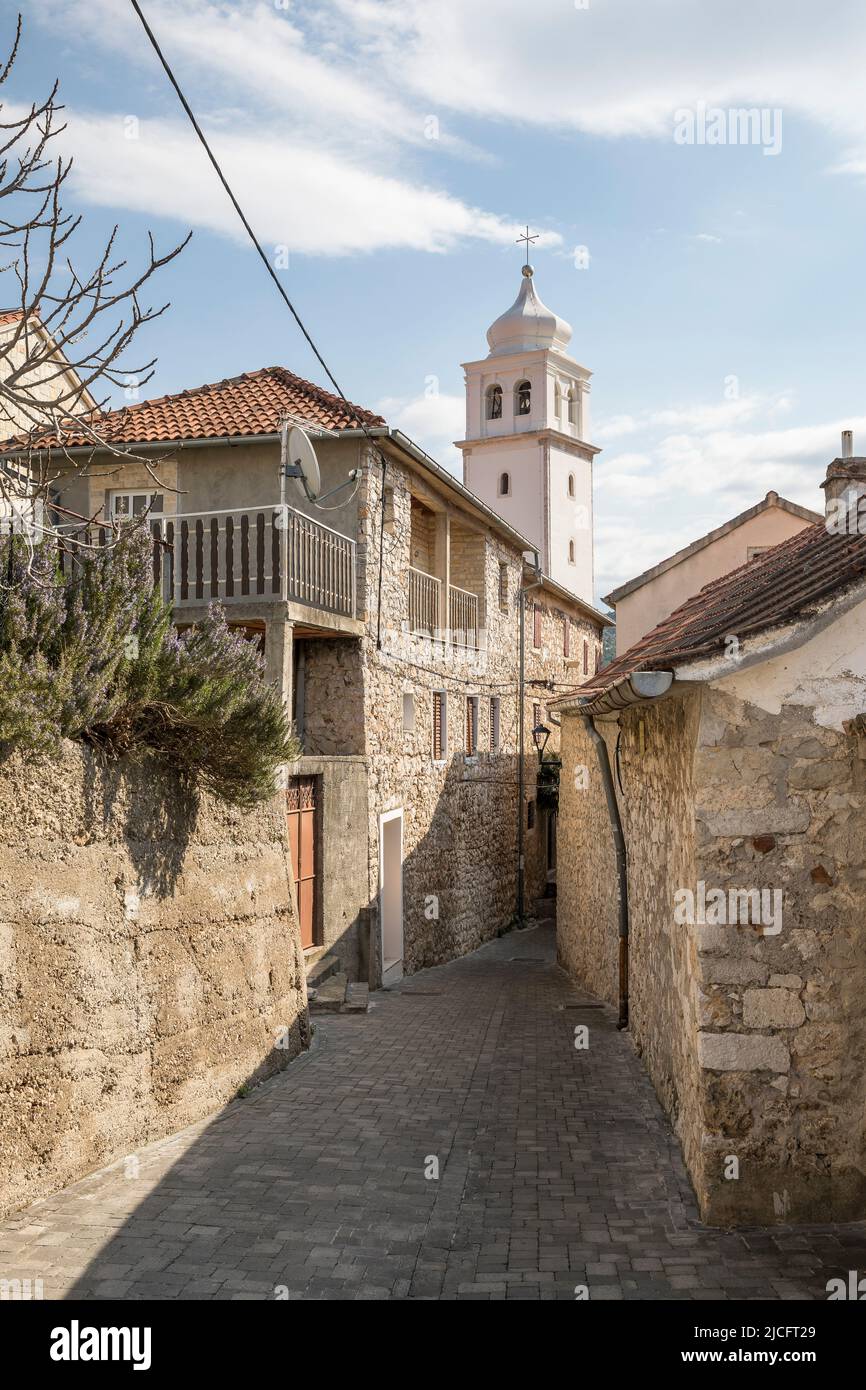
pixel 150 962
pixel 459 814
pixel 780 805
pixel 754 1038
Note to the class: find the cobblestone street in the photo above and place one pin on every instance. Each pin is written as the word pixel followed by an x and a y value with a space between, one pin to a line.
pixel 556 1168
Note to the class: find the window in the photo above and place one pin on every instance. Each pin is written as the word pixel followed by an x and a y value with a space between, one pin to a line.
pixel 522 398
pixel 585 657
pixel 530 815
pixel 503 586
pixel 536 625
pixel 571 484
pixel 597 657
pixel 566 634
pixel 440 726
pixel 494 724
pixel 408 712
pixel 557 400
pixel 571 552
pixel 125 504
pixel 471 742
pixel 504 484
pixel 572 406
pixel 494 402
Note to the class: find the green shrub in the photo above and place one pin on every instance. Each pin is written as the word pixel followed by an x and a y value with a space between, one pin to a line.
pixel 91 654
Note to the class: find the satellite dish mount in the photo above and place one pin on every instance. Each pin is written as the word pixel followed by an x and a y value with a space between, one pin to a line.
pixel 298 460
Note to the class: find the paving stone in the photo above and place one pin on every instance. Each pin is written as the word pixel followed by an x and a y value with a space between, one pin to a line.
pixel 555 1169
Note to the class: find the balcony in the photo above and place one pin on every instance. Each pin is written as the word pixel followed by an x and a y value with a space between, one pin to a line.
pixel 266 553
pixel 424 610
pixel 424 592
pixel 463 617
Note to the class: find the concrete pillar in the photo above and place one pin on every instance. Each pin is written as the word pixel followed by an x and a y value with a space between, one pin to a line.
pixel 442 564
pixel 278 656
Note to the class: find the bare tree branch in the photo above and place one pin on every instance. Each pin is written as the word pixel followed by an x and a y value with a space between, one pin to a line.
pixel 65 330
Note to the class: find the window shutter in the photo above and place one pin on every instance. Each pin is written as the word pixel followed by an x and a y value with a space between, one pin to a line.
pixel 585 657
pixel 536 626
pixel 437 725
pixel 566 630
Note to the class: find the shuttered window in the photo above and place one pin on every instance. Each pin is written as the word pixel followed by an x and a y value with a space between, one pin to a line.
pixel 536 626
pixel 494 724
pixel 503 586
pixel 585 658
pixel 566 634
pixel 440 726
pixel 471 743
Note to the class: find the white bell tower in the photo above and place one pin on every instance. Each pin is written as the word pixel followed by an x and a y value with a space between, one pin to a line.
pixel 527 425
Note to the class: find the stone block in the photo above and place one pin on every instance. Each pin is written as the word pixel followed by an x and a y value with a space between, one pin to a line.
pixel 772 1008
pixel 732 970
pixel 742 1052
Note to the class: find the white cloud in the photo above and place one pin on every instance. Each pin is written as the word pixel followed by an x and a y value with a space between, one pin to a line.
pixel 682 484
pixel 323 151
pixel 621 69
pixel 313 201
pixel 433 420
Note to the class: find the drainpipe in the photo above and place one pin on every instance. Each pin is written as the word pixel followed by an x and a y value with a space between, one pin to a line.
pixel 621 862
pixel 637 688
pixel 521 701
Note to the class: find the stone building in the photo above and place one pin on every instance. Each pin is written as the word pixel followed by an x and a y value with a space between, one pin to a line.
pixel 712 876
pixel 390 619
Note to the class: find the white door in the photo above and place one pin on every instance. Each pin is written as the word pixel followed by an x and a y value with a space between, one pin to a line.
pixel 391 894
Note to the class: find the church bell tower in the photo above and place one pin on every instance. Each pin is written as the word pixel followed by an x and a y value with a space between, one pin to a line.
pixel 526 452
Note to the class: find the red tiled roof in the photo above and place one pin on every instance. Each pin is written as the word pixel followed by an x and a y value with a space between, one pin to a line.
pixel 9 315
pixel 250 404
pixel 772 589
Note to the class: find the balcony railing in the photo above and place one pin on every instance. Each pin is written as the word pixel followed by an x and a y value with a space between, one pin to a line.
pixel 463 617
pixel 245 554
pixel 424 590
pixel 424 610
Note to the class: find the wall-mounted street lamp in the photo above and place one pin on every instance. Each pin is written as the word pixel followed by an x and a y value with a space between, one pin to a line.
pixel 540 735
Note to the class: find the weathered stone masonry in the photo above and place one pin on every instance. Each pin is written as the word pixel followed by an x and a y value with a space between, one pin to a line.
pixel 755 1042
pixel 150 962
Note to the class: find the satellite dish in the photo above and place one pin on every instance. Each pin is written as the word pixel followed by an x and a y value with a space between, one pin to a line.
pixel 300 462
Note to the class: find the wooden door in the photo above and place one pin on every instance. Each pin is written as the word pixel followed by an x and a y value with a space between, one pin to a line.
pixel 301 816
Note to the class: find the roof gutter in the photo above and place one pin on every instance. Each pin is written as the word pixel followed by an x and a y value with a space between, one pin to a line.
pixel 638 688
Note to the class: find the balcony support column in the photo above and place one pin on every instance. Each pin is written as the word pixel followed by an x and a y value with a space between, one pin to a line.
pixel 278 655
pixel 442 567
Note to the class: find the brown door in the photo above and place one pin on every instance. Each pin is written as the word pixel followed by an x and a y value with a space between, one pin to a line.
pixel 301 815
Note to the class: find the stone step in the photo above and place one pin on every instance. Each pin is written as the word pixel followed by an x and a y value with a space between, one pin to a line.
pixel 330 996
pixel 339 995
pixel 357 997
pixel 320 968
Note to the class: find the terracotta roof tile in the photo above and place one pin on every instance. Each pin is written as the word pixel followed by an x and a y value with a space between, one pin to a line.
pixel 772 589
pixel 250 404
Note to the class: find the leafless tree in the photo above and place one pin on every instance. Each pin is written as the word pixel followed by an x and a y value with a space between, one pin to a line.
pixel 65 331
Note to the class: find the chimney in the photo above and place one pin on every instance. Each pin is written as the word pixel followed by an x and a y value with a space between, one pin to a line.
pixel 843 486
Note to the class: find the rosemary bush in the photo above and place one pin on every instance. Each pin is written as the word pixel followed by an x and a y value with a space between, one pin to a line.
pixel 91 654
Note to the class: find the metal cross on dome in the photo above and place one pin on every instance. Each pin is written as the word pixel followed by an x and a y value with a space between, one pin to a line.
pixel 528 239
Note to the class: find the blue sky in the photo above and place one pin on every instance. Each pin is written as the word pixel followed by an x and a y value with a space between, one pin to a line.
pixel 722 308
